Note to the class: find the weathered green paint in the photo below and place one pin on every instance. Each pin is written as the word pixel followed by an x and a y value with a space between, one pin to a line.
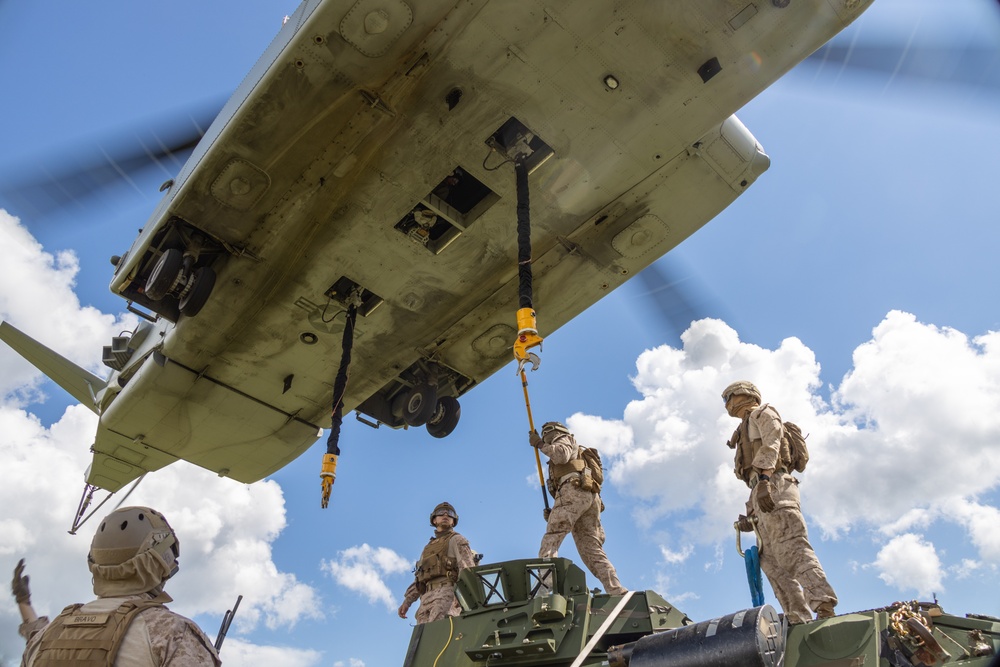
pixel 540 612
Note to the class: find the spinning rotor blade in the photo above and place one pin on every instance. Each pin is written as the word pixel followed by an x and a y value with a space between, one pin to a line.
pixel 972 58
pixel 678 298
pixel 969 64
pixel 61 181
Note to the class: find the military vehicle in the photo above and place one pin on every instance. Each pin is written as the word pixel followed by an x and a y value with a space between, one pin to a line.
pixel 539 611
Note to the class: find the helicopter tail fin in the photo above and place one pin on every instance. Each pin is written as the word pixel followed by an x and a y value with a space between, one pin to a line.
pixel 81 384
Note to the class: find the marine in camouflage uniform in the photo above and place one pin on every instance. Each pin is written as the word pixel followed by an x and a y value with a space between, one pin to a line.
pixel 436 573
pixel 762 462
pixel 577 508
pixel 133 553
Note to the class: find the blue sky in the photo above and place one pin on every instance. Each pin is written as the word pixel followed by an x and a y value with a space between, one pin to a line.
pixel 856 282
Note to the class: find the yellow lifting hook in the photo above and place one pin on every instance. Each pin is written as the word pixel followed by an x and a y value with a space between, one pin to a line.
pixel 527 338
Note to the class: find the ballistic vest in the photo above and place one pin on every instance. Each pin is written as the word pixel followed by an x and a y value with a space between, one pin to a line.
pixel 87 639
pixel 578 471
pixel 435 562
pixel 746 449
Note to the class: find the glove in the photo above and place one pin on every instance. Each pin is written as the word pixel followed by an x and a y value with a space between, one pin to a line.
pixel 744 524
pixel 534 439
pixel 761 496
pixel 19 584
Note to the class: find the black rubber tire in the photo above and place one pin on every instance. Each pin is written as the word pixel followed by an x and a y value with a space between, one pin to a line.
pixel 420 404
pixel 164 274
pixel 445 417
pixel 197 296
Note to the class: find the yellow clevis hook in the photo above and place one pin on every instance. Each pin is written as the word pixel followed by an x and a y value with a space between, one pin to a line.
pixel 328 474
pixel 527 338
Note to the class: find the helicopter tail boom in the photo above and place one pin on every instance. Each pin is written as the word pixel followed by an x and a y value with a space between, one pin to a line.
pixel 81 384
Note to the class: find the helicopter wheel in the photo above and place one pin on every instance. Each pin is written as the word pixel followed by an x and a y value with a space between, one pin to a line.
pixel 164 275
pixel 445 417
pixel 197 294
pixel 419 405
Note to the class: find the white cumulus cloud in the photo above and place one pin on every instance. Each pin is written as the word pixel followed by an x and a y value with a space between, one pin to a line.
pixel 902 444
pixel 226 529
pixel 910 564
pixel 237 653
pixel 362 569
pixel 46 308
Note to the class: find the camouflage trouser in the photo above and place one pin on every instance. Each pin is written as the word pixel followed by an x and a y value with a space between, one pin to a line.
pixel 579 512
pixel 791 565
pixel 438 603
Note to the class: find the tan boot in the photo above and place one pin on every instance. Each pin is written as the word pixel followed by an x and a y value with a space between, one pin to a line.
pixel 824 610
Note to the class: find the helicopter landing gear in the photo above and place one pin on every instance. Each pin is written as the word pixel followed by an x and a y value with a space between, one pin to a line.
pixel 445 417
pixel 174 275
pixel 419 404
pixel 166 275
pixel 199 288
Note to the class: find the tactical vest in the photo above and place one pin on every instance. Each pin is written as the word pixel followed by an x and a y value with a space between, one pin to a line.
pixel 746 449
pixel 435 562
pixel 575 471
pixel 87 640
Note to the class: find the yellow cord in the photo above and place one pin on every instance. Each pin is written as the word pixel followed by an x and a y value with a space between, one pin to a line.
pixel 451 628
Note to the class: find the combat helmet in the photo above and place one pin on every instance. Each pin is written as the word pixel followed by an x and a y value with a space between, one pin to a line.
pixel 133 551
pixel 444 508
pixel 558 427
pixel 741 387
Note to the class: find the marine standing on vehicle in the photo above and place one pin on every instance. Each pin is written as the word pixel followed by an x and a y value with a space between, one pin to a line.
pixel 436 573
pixel 763 462
pixel 578 506
pixel 132 555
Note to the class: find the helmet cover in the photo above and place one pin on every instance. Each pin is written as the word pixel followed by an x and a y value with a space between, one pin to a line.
pixel 447 510
pixel 133 551
pixel 741 387
pixel 558 427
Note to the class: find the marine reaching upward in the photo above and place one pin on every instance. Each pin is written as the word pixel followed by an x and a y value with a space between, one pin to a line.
pixel 763 462
pixel 132 555
pixel 578 505
pixel 436 573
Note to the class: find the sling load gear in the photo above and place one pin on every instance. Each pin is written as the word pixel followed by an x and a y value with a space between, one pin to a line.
pixel 328 471
pixel 527 330
pixel 751 559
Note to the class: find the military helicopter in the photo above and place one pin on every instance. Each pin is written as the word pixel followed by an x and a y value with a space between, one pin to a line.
pixel 364 164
